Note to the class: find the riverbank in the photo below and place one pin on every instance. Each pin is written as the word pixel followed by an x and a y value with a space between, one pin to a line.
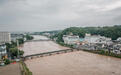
pixel 105 53
pixel 101 52
pixel 24 69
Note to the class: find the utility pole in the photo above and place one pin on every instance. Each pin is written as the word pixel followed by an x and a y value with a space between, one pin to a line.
pixel 18 48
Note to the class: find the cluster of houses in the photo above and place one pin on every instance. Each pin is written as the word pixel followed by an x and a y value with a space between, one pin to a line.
pixel 94 42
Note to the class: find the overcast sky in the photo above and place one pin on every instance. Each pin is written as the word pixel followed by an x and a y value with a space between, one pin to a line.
pixel 43 15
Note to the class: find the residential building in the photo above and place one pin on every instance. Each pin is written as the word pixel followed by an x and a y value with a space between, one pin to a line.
pixel 5 37
pixel 119 39
pixel 71 39
pixel 3 51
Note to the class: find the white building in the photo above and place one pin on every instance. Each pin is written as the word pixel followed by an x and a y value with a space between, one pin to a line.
pixel 70 39
pixel 119 39
pixel 3 51
pixel 5 37
pixel 97 39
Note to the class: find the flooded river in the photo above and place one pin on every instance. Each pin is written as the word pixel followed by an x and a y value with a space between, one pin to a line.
pixel 73 63
pixel 36 47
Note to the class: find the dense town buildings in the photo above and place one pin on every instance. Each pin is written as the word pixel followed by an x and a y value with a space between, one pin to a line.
pixel 94 42
pixel 97 39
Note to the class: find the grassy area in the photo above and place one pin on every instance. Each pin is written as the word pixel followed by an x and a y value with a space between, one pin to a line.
pixel 24 69
pixel 102 52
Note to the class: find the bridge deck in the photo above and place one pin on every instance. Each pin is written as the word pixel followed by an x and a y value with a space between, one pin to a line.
pixel 38 40
pixel 48 53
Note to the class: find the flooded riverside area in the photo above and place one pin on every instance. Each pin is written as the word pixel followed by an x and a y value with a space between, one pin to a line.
pixel 35 47
pixel 73 63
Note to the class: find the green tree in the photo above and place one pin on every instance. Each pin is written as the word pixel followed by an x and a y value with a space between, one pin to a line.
pixel 14 52
pixel 28 37
pixel 21 41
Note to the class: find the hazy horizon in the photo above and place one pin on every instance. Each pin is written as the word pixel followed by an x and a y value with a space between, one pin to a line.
pixel 47 15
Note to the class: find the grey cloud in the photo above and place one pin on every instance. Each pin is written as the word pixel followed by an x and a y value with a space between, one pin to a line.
pixel 40 15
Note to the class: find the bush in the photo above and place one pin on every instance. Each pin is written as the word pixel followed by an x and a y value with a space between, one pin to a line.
pixel 7 61
pixel 102 52
pixel 21 52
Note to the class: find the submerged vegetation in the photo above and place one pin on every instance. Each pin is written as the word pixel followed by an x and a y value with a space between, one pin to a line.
pixel 24 69
pixel 103 52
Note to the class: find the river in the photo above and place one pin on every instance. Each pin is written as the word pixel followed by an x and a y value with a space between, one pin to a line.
pixel 73 63
pixel 36 47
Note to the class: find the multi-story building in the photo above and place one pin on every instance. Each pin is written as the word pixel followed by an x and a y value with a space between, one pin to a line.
pixel 3 51
pixel 5 37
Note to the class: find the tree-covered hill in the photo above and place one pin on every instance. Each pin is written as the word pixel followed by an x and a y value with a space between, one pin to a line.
pixel 113 32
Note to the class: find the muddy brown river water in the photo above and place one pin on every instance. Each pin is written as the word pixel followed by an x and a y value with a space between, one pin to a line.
pixel 36 47
pixel 73 63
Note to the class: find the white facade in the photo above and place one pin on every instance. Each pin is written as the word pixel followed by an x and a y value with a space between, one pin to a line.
pixel 119 39
pixel 70 39
pixel 97 39
pixel 5 37
pixel 3 51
